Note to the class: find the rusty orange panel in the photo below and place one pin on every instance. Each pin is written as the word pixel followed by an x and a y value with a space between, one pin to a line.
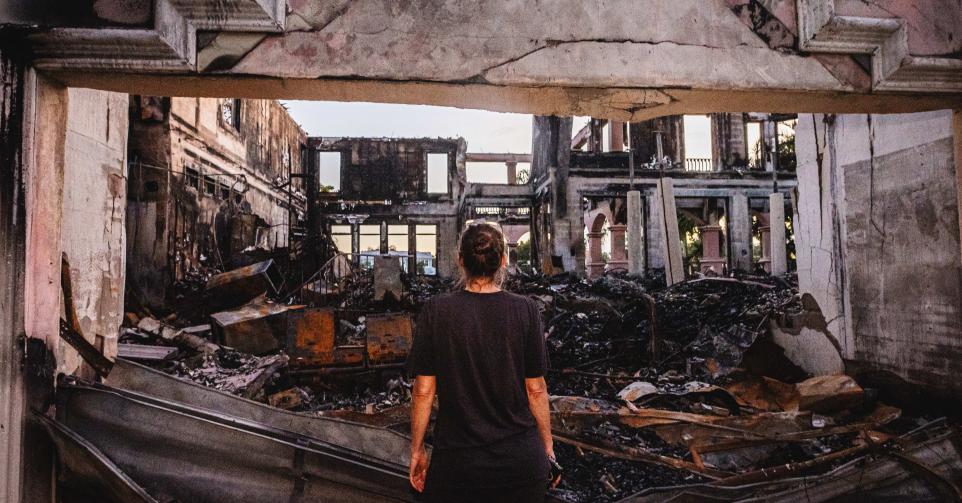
pixel 310 337
pixel 348 355
pixel 389 337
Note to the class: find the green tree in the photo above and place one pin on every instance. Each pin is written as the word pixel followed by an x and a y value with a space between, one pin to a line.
pixel 523 254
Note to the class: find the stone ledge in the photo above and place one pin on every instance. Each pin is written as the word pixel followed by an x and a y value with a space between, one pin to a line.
pixel 893 68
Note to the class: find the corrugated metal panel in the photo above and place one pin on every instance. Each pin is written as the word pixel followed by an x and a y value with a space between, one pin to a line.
pixel 204 457
pixel 369 440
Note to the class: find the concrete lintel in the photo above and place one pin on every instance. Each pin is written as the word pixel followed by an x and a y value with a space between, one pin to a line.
pixel 562 101
pixel 496 157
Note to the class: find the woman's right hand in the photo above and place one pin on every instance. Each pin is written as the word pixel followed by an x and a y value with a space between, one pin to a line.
pixel 419 468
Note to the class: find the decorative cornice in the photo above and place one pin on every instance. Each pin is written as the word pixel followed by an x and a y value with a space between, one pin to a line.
pixel 885 39
pixel 171 45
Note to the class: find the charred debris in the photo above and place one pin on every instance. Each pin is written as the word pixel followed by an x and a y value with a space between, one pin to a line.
pixel 717 388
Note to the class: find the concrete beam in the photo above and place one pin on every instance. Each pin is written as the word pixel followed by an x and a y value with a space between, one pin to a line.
pixel 671 241
pixel 636 225
pixel 776 204
pixel 581 137
pixel 496 157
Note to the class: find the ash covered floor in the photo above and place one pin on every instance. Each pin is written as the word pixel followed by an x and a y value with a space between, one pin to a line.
pixel 656 392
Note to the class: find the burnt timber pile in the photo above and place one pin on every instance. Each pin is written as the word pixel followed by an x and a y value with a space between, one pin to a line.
pixel 701 391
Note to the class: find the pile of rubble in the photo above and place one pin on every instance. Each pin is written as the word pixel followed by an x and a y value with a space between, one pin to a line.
pixel 714 382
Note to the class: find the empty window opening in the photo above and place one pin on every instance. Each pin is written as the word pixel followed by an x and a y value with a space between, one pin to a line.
pixel 341 235
pixel 753 137
pixel 191 177
pixel 437 173
pixel 427 249
pixel 369 239
pixel 329 171
pixel 397 243
pixel 698 143
pixel 606 138
pixel 230 110
pixel 497 172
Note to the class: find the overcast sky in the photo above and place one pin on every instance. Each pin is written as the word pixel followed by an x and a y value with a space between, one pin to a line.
pixel 484 131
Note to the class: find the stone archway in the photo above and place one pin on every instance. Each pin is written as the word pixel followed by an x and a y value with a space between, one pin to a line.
pixel 596 225
pixel 513 234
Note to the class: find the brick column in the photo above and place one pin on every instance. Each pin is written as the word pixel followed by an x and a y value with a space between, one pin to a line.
pixel 596 263
pixel 618 261
pixel 711 256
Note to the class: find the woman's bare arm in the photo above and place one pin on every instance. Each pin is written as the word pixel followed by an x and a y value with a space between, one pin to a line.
pixel 538 402
pixel 422 399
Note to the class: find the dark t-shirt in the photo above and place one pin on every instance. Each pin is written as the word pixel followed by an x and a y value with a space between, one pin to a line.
pixel 481 347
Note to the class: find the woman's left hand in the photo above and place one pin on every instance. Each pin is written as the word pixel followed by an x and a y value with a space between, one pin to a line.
pixel 419 468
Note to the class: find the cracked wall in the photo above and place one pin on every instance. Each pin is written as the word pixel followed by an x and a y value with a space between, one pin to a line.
pixel 879 250
pixel 205 182
pixel 94 208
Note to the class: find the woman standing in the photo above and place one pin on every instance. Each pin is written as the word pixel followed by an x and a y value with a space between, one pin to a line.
pixel 482 351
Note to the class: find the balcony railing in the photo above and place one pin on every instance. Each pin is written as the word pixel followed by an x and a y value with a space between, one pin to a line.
pixel 698 164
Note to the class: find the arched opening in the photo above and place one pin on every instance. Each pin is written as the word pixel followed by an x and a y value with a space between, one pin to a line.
pixel 597 238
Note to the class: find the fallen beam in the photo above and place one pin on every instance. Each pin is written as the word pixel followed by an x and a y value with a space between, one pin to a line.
pixel 633 454
pixel 144 352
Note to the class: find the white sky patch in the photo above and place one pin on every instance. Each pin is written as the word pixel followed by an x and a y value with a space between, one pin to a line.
pixel 329 171
pixel 489 132
pixel 437 173
pixel 697 137
pixel 491 172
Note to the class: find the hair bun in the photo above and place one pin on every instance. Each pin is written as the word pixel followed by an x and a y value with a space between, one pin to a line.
pixel 482 248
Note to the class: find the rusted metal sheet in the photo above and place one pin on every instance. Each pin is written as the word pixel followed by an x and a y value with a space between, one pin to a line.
pixel 257 328
pixel 85 471
pixel 311 340
pixel 310 336
pixel 364 438
pixel 389 337
pixel 196 455
pixel 236 287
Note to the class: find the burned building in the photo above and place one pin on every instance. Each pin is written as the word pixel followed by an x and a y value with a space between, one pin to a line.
pixel 832 390
pixel 208 178
pixel 725 200
pixel 387 196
